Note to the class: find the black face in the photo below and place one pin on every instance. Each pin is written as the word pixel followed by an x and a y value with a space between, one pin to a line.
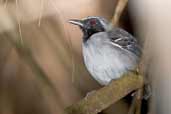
pixel 91 26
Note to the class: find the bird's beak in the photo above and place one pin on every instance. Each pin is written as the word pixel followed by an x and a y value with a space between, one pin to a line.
pixel 76 22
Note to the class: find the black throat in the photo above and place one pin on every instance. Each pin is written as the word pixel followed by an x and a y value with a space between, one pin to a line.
pixel 89 32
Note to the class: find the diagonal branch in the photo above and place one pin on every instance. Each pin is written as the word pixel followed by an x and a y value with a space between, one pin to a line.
pixel 104 97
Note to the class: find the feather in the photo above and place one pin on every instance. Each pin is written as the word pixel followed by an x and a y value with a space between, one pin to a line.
pixel 125 40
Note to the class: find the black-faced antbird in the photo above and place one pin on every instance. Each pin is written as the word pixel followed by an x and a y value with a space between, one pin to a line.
pixel 108 52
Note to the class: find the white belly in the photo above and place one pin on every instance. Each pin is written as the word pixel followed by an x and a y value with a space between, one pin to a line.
pixel 106 63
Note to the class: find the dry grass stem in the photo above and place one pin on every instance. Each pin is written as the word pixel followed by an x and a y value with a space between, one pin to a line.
pixel 26 56
pixel 19 22
pixel 41 12
pixel 69 42
pixel 118 11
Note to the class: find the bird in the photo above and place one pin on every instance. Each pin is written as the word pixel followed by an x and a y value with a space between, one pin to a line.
pixel 108 52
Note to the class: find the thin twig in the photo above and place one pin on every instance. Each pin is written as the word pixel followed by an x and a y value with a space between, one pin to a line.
pixel 19 22
pixel 133 106
pixel 20 33
pixel 139 101
pixel 118 11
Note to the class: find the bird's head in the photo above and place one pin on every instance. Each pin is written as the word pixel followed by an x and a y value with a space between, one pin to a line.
pixel 91 25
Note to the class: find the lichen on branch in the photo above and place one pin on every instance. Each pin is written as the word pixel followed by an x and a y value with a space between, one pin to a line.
pixel 104 97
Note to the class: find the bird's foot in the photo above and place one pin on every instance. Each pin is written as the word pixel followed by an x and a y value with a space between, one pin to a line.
pixel 147 92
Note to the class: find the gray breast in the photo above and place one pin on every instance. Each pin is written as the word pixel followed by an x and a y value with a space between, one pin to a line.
pixel 106 61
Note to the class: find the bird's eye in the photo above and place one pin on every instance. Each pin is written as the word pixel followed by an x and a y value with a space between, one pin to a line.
pixel 93 22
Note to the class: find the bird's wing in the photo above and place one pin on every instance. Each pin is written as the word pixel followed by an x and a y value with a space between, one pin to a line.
pixel 124 40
